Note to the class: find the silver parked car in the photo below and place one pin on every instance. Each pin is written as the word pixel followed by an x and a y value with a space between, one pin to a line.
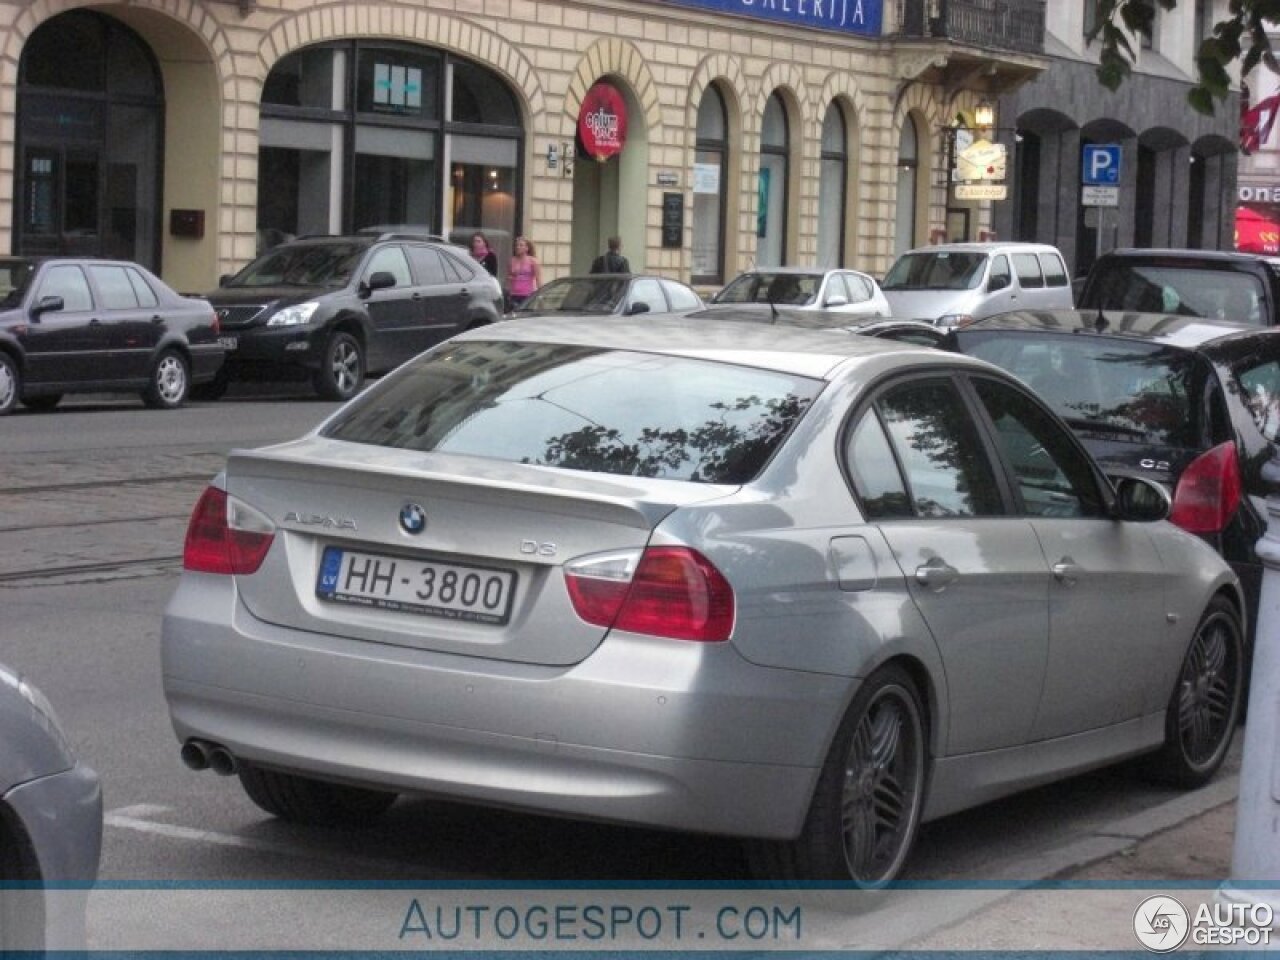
pixel 50 824
pixel 793 585
pixel 953 284
pixel 806 288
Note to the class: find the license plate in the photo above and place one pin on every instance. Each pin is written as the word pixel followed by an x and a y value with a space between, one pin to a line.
pixel 228 343
pixel 455 591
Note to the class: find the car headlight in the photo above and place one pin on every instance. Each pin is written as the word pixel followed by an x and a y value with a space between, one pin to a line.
pixel 955 320
pixel 292 316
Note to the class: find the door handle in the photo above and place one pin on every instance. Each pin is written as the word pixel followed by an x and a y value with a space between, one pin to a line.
pixel 1066 571
pixel 936 574
pixel 94 321
pixel 156 318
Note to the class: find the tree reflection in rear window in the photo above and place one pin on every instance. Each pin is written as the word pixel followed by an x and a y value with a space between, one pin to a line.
pixel 583 408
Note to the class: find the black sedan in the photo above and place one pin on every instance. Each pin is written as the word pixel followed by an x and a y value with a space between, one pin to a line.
pixel 1192 404
pixel 84 325
pixel 621 294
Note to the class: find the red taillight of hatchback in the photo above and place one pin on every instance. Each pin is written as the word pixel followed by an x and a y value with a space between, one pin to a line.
pixel 672 592
pixel 1209 491
pixel 226 536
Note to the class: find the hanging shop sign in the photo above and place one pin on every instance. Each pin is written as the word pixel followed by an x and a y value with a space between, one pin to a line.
pixel 846 16
pixel 602 121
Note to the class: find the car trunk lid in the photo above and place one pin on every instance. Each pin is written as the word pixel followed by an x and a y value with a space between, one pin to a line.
pixel 347 562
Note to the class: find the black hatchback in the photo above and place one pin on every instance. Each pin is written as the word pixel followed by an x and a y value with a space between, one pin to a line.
pixel 1191 404
pixel 333 309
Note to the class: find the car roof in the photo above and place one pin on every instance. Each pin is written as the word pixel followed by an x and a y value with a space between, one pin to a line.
pixel 1171 330
pixel 1174 253
pixel 991 246
pixel 783 347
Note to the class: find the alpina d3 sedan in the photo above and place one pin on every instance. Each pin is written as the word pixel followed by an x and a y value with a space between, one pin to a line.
pixel 792 585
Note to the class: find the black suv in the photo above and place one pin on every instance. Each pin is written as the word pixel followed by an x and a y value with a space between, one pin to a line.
pixel 335 308
pixel 1216 285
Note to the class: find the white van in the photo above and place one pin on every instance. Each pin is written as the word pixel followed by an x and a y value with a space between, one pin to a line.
pixel 953 284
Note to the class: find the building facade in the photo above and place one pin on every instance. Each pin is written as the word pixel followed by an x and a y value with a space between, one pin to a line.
pixel 187 134
pixel 1177 176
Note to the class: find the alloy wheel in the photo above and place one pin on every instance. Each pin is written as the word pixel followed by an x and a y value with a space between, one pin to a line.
pixel 1207 690
pixel 345 362
pixel 8 386
pixel 883 778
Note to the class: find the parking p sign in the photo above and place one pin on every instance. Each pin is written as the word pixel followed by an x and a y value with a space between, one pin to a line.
pixel 1100 165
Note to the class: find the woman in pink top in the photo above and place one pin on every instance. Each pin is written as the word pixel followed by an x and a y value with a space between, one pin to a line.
pixel 524 274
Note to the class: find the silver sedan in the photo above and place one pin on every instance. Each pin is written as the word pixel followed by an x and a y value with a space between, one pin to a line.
pixel 792 585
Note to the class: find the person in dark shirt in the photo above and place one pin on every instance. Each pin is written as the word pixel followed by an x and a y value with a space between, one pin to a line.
pixel 612 260
pixel 483 253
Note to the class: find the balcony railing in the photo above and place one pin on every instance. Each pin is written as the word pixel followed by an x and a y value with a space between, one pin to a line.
pixel 1001 24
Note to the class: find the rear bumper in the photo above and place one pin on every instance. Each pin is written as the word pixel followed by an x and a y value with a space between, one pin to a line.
pixel 644 731
pixel 206 361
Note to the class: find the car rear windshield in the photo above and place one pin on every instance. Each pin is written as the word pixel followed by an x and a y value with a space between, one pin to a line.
pixel 583 408
pixel 1181 288
pixel 302 265
pixel 939 270
pixel 578 295
pixel 793 289
pixel 1138 392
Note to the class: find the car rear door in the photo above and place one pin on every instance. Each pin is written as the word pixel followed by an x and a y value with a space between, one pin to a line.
pixel 975 571
pixel 133 331
pixel 1106 595
pixel 442 300
pixel 394 312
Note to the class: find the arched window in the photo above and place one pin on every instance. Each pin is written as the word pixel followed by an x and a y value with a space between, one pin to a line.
pixel 904 237
pixel 352 136
pixel 710 183
pixel 771 214
pixel 831 188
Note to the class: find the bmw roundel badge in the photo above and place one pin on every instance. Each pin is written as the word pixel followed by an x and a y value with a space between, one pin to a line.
pixel 413 519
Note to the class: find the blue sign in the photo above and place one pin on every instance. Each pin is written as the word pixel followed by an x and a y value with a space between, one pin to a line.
pixel 1100 165
pixel 844 16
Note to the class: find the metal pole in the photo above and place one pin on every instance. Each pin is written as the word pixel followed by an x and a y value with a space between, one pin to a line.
pixel 1255 861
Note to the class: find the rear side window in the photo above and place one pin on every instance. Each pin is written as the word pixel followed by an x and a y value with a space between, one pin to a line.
pixel 114 287
pixel 1055 274
pixel 681 297
pixel 1257 381
pixel 458 269
pixel 1104 387
pixel 1027 266
pixel 427 266
pixel 146 296
pixel 1185 289
pixel 583 408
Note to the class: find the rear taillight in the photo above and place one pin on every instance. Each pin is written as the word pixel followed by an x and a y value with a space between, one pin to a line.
pixel 226 536
pixel 1208 491
pixel 672 592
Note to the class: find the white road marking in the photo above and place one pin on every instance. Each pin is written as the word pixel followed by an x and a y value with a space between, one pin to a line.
pixel 137 818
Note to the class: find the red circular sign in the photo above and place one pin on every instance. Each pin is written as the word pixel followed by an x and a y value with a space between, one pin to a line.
pixel 602 121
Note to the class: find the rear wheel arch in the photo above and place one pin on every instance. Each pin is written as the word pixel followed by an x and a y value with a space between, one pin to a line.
pixel 22 917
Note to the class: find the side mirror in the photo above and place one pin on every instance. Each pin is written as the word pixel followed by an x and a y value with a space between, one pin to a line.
pixel 1141 500
pixel 638 307
pixel 380 280
pixel 998 283
pixel 47 305
pixel 224 279
pixel 836 301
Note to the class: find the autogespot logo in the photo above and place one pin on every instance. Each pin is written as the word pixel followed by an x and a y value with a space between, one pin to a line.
pixel 413 519
pixel 1161 924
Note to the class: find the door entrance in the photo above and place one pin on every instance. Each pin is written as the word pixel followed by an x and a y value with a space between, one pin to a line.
pixel 61 205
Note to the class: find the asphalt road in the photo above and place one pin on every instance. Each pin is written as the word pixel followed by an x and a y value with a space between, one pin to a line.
pixel 93 505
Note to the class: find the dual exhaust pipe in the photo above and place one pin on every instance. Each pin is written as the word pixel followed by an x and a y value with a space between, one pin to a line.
pixel 204 755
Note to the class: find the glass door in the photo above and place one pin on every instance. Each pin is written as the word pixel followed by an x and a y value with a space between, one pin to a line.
pixel 61 201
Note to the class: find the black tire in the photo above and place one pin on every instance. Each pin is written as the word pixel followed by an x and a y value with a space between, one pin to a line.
pixel 341 372
pixel 43 403
pixel 876 767
pixel 170 382
pixel 1204 707
pixel 10 383
pixel 215 389
pixel 303 800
